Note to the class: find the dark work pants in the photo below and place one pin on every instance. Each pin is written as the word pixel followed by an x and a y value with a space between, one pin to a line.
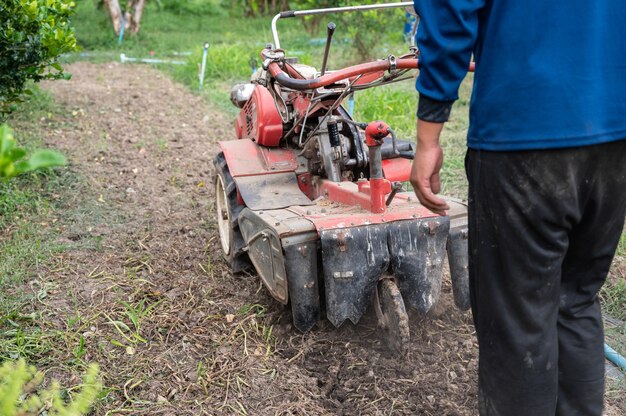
pixel 543 227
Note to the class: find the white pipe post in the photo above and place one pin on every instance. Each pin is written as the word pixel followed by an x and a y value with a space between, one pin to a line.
pixel 204 56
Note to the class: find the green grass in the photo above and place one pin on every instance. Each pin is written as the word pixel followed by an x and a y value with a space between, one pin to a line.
pixel 614 291
pixel 613 299
pixel 27 234
pixel 31 208
pixel 26 202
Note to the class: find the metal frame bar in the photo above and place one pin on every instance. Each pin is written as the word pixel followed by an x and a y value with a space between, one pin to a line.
pixel 296 13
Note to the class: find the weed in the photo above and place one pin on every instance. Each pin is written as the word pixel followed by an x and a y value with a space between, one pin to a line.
pixel 80 350
pixel 25 201
pixel 161 143
pixel 136 313
pixel 256 309
pixel 613 297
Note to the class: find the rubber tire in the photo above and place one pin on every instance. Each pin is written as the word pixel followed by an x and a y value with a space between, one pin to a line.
pixel 236 257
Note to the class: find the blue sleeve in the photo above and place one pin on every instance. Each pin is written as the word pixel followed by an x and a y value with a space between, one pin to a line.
pixel 446 36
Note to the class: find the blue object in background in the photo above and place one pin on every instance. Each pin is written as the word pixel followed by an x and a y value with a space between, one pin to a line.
pixel 408 25
pixel 615 357
pixel 121 37
pixel 351 104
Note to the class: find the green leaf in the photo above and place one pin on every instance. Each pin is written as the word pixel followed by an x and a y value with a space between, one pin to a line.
pixel 45 159
pixel 7 142
pixel 16 154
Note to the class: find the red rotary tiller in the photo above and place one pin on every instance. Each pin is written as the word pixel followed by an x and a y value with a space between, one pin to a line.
pixel 314 199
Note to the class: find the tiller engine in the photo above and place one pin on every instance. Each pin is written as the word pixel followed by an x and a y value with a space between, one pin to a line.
pixel 314 200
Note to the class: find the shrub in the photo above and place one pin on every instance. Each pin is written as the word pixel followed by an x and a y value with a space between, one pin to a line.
pixel 18 381
pixel 195 7
pixel 32 36
pixel 364 28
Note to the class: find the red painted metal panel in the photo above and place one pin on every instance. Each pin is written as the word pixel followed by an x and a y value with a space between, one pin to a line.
pixel 304 182
pixel 328 215
pixel 397 170
pixel 367 78
pixel 347 204
pixel 245 158
pixel 259 119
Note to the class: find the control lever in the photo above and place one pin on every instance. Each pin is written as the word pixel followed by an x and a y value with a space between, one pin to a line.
pixel 395 187
pixel 329 37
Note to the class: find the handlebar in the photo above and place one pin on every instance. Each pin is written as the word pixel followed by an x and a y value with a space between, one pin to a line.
pixel 369 67
pixel 296 13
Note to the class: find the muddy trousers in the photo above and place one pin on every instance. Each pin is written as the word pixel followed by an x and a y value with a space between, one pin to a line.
pixel 544 227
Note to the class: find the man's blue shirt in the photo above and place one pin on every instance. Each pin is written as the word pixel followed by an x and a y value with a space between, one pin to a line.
pixel 549 73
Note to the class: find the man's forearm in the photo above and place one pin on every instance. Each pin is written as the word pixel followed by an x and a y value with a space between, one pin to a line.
pixel 428 133
pixel 426 166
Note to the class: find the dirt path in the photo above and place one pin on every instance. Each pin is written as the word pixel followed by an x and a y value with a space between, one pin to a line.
pixel 210 342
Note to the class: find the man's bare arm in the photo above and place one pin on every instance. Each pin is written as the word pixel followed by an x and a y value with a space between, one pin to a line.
pixel 426 166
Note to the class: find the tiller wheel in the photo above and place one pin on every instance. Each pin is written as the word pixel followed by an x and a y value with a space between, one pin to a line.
pixel 392 316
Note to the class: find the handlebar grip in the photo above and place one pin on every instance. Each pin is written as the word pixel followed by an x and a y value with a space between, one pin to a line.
pixel 330 29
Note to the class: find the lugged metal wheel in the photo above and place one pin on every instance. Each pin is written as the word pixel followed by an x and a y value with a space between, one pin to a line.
pixel 227 211
pixel 392 316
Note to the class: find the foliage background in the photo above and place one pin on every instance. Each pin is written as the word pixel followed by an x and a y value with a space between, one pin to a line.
pixel 32 36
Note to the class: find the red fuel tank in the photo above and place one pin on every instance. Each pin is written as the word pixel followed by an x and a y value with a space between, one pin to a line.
pixel 259 119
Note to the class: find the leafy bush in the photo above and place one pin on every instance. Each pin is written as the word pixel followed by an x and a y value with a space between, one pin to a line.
pixel 18 381
pixel 32 36
pixel 251 8
pixel 12 162
pixel 196 7
pixel 364 28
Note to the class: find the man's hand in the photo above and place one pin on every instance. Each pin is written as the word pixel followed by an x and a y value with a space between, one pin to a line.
pixel 426 166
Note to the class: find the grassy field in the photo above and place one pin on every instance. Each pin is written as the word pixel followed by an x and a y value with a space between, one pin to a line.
pixel 27 240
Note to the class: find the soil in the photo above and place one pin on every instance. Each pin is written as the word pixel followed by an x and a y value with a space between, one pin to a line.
pixel 212 342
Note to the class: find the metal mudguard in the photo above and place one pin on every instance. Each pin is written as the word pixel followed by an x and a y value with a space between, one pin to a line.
pixel 266 253
pixel 292 255
pixel 458 253
pixel 355 258
pixel 265 177
pixel 283 247
pixel 418 250
pixel 301 261
pixel 458 257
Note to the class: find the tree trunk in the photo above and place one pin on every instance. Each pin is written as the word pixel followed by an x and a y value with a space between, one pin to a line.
pixel 133 15
pixel 116 15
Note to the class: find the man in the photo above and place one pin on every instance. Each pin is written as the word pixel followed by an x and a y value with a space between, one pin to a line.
pixel 546 166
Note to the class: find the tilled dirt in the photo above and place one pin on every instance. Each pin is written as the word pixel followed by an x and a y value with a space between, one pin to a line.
pixel 211 342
